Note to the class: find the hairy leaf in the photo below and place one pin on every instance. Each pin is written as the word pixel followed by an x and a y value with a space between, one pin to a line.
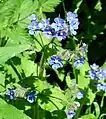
pixel 9 112
pixel 8 52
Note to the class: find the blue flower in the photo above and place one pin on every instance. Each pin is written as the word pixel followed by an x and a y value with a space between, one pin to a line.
pixel 31 97
pixel 72 27
pixel 104 88
pixel 33 28
pixel 92 74
pixel 61 35
pixel 33 17
pixel 72 18
pixel 44 23
pixel 80 95
pixel 70 114
pixel 84 47
pixel 56 62
pixel 78 62
pixel 94 67
pixel 104 71
pixel 49 32
pixel 101 75
pixel 101 86
pixel 10 93
pixel 59 24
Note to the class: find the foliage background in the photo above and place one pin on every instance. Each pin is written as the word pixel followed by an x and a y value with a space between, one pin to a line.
pixel 18 51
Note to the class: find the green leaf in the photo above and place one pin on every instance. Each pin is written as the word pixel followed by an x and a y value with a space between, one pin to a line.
pixel 2 78
pixel 52 100
pixel 83 81
pixel 9 112
pixel 90 96
pixel 8 52
pixel 48 5
pixel 27 7
pixel 40 41
pixel 28 67
pixel 97 109
pixel 17 36
pixel 98 6
pixel 89 116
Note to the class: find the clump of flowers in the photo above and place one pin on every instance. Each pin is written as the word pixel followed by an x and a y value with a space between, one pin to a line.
pixel 55 62
pixel 97 73
pixel 101 87
pixel 72 19
pixel 31 97
pixel 59 29
pixel 10 93
pixel 72 109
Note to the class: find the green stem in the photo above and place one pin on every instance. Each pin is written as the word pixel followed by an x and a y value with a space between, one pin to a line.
pixel 41 39
pixel 78 112
pixel 74 71
pixel 102 116
pixel 15 69
pixel 42 60
pixel 34 111
pixel 37 110
pixel 64 9
pixel 41 66
pixel 39 42
pixel 102 101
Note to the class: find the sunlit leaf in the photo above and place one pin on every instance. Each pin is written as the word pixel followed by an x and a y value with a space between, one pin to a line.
pixel 9 112
pixel 48 5
pixel 8 52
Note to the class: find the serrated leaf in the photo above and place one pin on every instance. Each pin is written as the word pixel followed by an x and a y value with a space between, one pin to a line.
pixel 8 52
pixel 9 112
pixel 6 10
pixel 48 5
pixel 17 36
pixel 25 10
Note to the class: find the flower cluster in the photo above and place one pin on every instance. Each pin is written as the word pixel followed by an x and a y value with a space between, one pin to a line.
pixel 97 73
pixel 55 62
pixel 72 18
pixel 101 86
pixel 72 111
pixel 60 28
pixel 78 62
pixel 30 97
